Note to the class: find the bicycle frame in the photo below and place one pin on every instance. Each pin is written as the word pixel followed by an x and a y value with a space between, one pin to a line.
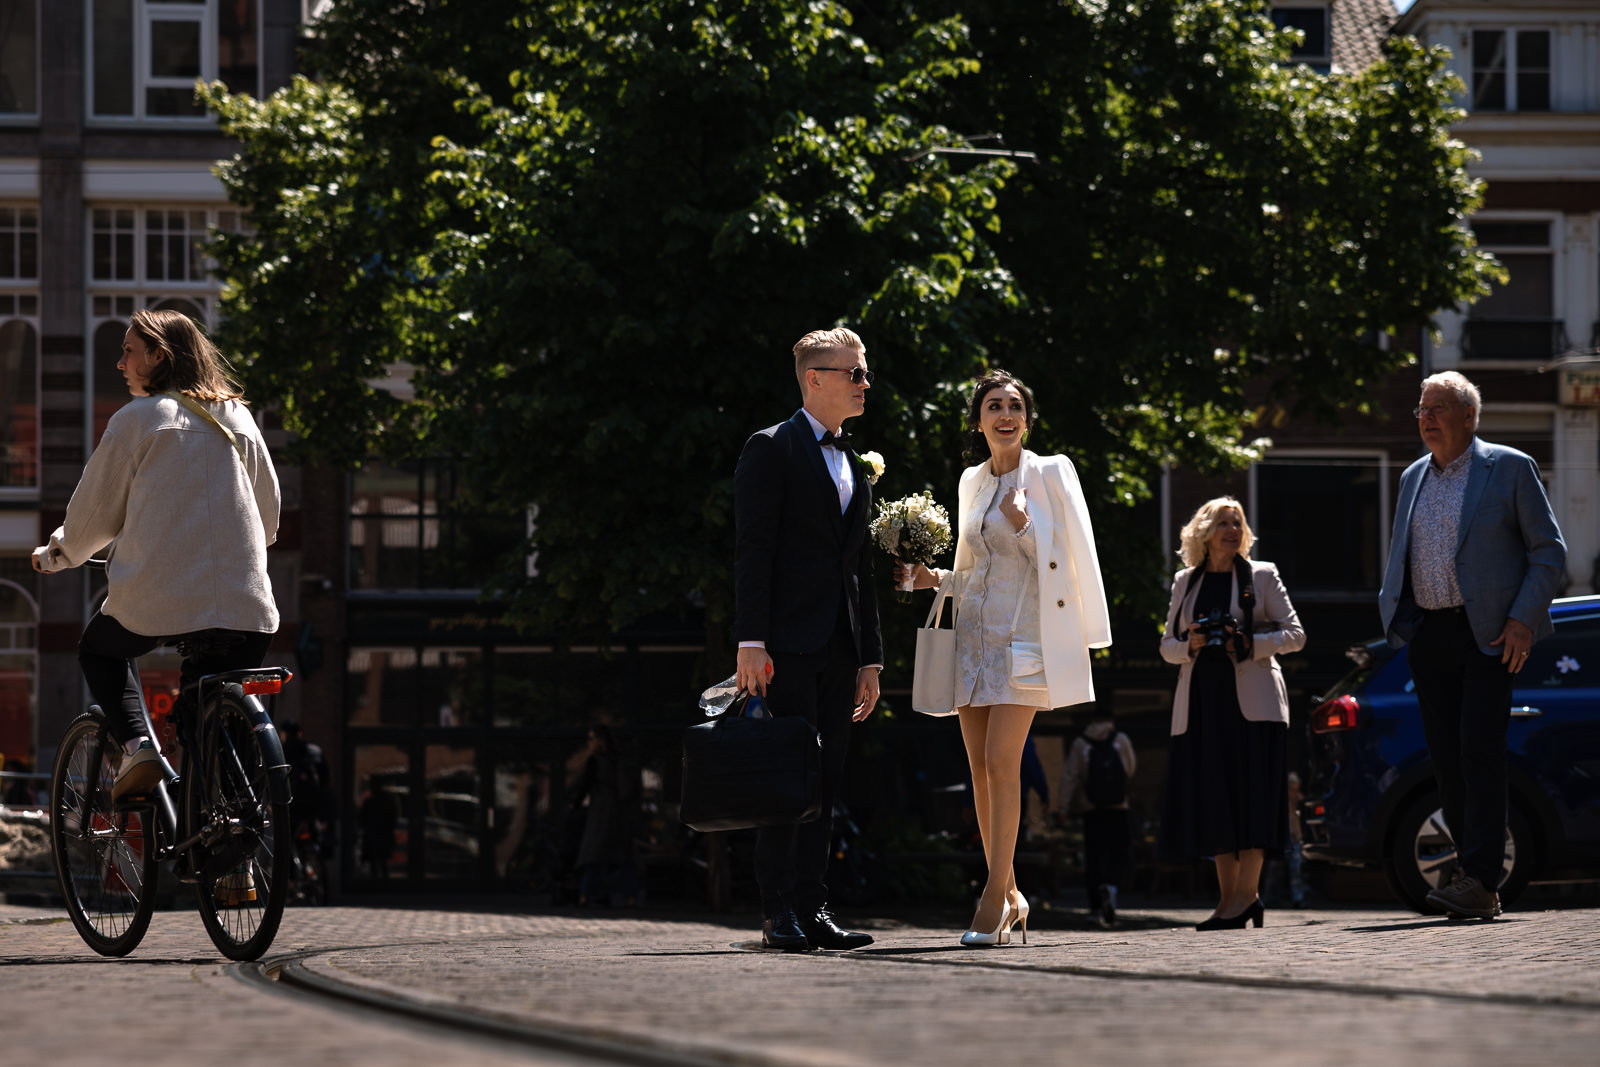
pixel 167 811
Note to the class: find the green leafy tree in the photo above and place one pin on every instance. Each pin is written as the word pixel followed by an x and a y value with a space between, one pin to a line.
pixel 1211 237
pixel 600 276
pixel 595 228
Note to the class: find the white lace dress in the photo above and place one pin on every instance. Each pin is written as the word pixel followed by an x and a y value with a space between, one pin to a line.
pixel 1005 567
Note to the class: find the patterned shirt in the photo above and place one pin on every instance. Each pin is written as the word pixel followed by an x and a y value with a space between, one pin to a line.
pixel 1435 533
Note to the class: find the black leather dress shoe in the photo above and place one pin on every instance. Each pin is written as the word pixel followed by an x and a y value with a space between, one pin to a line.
pixel 823 932
pixel 783 932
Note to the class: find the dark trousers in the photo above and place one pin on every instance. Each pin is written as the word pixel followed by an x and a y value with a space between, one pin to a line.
pixel 106 652
pixel 1105 850
pixel 1465 700
pixel 792 861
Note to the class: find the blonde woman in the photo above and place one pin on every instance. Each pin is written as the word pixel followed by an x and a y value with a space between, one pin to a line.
pixel 1026 569
pixel 1227 773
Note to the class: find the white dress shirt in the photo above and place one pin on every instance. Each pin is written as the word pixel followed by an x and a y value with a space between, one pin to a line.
pixel 838 464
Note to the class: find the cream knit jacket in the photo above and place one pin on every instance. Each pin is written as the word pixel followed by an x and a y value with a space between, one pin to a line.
pixel 188 522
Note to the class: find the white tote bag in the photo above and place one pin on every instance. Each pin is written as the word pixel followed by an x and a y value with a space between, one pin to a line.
pixel 933 675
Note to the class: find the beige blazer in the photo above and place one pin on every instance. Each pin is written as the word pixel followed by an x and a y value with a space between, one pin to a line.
pixel 1073 617
pixel 1262 695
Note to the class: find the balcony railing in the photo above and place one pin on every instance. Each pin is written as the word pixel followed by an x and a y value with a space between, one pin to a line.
pixel 1530 339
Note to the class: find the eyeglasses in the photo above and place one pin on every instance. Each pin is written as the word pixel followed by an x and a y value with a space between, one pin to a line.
pixel 857 374
pixel 1425 410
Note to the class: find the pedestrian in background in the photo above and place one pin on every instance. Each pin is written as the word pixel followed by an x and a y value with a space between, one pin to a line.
pixel 1474 560
pixel 1227 772
pixel 1094 781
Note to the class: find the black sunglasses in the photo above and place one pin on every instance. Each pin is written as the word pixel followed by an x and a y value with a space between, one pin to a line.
pixel 857 374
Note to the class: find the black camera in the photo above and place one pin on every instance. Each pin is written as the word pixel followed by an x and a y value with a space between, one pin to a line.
pixel 1215 625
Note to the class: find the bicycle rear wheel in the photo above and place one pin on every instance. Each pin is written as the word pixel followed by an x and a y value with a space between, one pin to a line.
pixel 105 857
pixel 244 812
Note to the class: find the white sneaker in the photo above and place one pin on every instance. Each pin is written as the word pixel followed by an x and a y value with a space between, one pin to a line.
pixel 139 773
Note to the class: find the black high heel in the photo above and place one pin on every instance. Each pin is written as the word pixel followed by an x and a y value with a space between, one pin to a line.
pixel 1254 913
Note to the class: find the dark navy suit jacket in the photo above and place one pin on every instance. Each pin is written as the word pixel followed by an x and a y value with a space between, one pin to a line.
pixel 796 557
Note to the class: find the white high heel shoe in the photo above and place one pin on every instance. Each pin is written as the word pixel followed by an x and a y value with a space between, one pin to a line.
pixel 1020 917
pixel 1001 935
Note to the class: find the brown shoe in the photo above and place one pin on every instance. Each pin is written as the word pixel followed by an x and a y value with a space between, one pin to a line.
pixel 1467 898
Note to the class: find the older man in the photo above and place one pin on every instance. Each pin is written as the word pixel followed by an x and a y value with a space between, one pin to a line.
pixel 1474 561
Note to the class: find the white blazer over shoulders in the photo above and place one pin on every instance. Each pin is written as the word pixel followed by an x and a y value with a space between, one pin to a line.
pixel 1073 617
pixel 1262 694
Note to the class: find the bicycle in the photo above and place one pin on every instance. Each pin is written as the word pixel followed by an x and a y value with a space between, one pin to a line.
pixel 229 835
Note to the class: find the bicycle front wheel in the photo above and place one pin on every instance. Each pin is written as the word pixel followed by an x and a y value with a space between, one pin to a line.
pixel 244 817
pixel 105 857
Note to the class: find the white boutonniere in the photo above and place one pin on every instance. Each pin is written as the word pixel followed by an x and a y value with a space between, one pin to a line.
pixel 875 466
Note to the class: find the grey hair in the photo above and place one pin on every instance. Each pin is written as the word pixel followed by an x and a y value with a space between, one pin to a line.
pixel 1464 391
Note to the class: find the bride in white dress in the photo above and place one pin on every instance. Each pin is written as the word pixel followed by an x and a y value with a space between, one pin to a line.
pixel 1023 529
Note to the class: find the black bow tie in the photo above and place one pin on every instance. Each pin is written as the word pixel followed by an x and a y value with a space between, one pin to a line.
pixel 836 440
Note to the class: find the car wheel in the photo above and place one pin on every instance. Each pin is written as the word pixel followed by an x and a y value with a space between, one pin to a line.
pixel 1422 856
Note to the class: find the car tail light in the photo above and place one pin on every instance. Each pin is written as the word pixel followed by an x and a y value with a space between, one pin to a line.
pixel 1340 713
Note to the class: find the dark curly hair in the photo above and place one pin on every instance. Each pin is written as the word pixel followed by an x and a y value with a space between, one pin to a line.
pixel 977 448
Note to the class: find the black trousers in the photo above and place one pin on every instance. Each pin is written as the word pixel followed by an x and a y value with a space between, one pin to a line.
pixel 1105 850
pixel 1465 700
pixel 792 861
pixel 106 652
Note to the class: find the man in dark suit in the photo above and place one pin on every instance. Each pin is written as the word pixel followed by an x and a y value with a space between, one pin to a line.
pixel 807 613
pixel 1474 561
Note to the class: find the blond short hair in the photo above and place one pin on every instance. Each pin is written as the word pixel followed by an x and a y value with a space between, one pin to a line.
pixel 1464 391
pixel 1198 530
pixel 818 345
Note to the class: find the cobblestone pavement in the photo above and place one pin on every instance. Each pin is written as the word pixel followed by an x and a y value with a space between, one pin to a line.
pixel 1318 986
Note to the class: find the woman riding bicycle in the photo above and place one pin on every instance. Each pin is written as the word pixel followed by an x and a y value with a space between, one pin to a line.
pixel 182 489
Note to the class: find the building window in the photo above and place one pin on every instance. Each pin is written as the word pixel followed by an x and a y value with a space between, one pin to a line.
pixel 154 245
pixel 1510 70
pixel 1315 48
pixel 1517 320
pixel 1321 519
pixel 19 58
pixel 147 54
pixel 408 531
pixel 19 393
pixel 19 244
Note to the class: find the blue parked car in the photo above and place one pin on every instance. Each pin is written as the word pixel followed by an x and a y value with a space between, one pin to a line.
pixel 1370 798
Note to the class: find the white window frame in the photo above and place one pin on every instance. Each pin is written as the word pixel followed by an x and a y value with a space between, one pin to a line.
pixel 1553 247
pixel 31 118
pixel 1346 457
pixel 28 492
pixel 218 216
pixel 1511 33
pixel 1325 59
pixel 201 14
pixel 145 13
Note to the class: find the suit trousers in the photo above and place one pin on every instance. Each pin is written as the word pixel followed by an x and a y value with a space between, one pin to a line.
pixel 1465 700
pixel 792 861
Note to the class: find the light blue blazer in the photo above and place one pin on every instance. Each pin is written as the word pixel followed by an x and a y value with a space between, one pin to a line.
pixel 1510 558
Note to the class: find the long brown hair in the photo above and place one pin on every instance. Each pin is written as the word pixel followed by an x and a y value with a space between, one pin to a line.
pixel 192 366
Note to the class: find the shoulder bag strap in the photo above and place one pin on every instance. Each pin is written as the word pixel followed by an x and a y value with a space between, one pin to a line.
pixel 199 409
pixel 1247 607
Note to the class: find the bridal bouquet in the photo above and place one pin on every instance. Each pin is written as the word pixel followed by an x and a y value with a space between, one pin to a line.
pixel 913 529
